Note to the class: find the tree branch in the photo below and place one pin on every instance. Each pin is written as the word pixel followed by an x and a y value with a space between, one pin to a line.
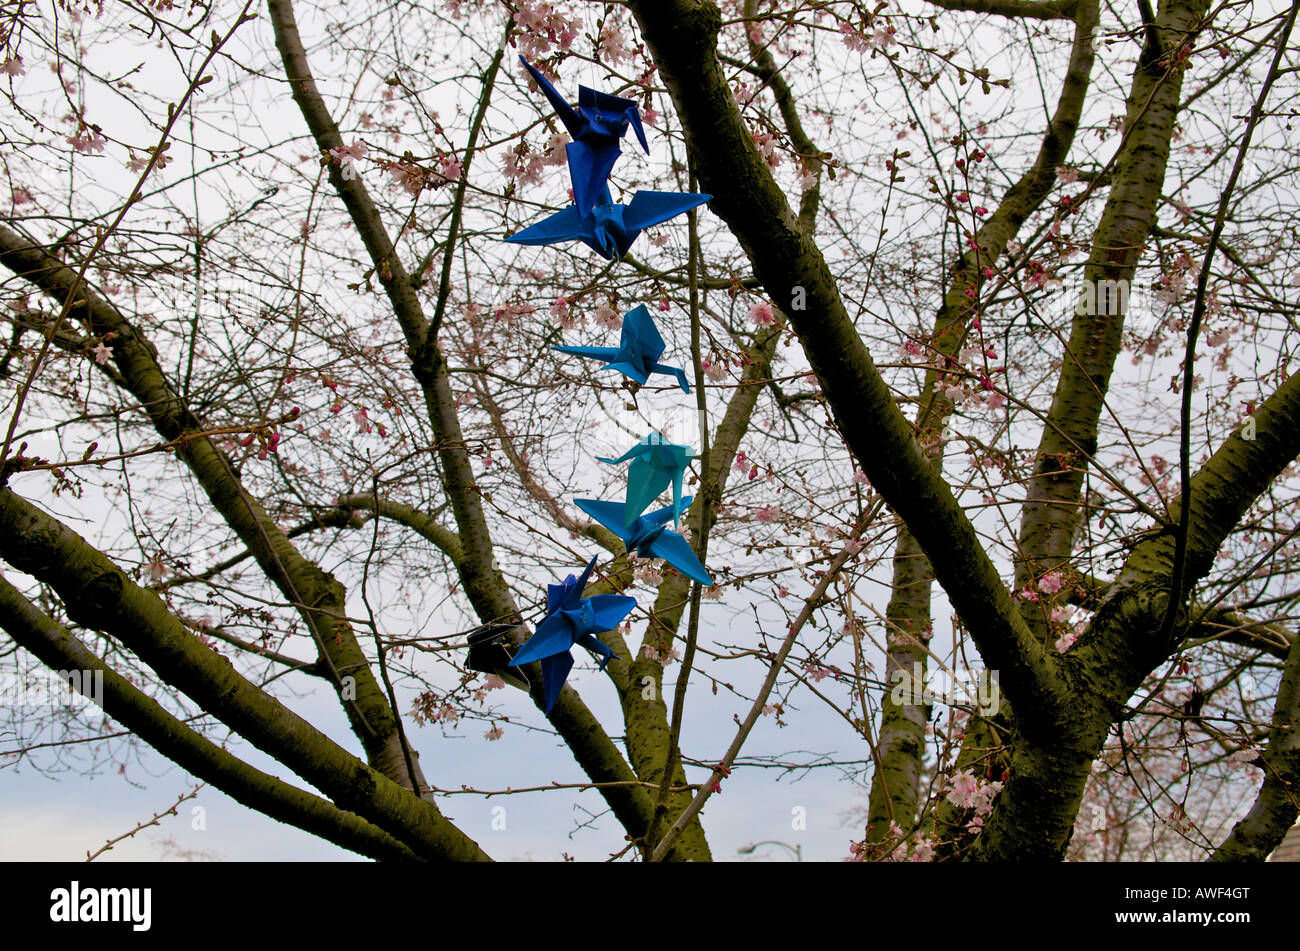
pixel 682 36
pixel 315 594
pixel 59 649
pixel 1016 9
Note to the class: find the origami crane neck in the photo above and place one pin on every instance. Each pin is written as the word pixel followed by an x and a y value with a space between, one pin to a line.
pixel 607 226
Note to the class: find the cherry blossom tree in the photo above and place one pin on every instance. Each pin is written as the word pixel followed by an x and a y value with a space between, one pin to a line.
pixel 988 325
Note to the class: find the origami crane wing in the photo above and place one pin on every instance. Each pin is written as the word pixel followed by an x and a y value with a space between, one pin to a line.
pixel 629 369
pixel 609 611
pixel 589 168
pixel 573 122
pixel 553 636
pixel 652 208
pixel 673 549
pixel 609 514
pixel 596 353
pixel 615 105
pixel 565 225
pixel 639 333
pixel 610 356
pixel 555 670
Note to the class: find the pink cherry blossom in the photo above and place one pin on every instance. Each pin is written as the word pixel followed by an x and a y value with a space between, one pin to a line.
pixel 87 141
pixel 606 316
pixel 155 568
pixel 358 150
pixel 613 45
pixel 761 314
pixel 407 177
pixel 1051 582
pixel 853 38
pixel 882 39
pixel 650 575
pixel 449 167
pixel 102 353
pixel 816 672
pixel 766 143
pixel 555 153
pixel 561 312
pixel 964 789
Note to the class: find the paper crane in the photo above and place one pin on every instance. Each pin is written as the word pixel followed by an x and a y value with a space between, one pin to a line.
pixel 489 653
pixel 596 125
pixel 649 536
pixel 571 619
pixel 656 464
pixel 639 346
pixel 608 228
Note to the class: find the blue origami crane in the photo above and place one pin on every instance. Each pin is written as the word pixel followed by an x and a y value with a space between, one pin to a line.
pixel 609 229
pixel 648 535
pixel 639 346
pixel 656 463
pixel 596 125
pixel 571 619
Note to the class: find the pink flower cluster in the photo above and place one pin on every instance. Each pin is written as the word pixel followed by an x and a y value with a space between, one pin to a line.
pixel 969 792
pixel 542 27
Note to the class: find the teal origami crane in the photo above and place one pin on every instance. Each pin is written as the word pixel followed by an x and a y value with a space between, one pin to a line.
pixel 608 228
pixel 656 464
pixel 596 125
pixel 649 536
pixel 571 619
pixel 639 347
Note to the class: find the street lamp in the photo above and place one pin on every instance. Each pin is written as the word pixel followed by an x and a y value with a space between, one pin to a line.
pixel 795 850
